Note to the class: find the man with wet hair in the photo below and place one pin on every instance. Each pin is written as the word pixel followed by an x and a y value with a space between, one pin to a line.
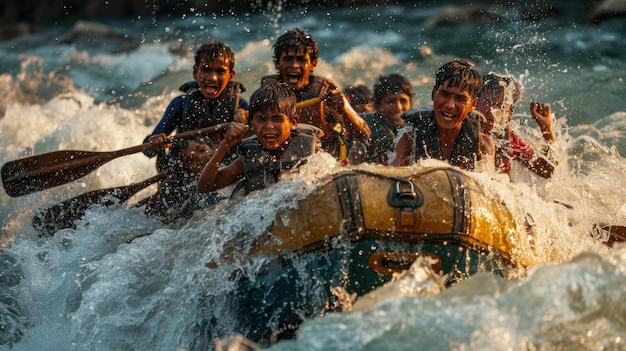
pixel 445 132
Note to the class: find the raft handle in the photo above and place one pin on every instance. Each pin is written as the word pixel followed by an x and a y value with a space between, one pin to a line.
pixel 405 194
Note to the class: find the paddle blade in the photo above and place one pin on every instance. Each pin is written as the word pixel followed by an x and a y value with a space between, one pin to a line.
pixel 40 172
pixel 64 214
pixel 45 171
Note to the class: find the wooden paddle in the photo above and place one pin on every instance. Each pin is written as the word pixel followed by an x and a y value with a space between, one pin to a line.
pixel 314 101
pixel 40 172
pixel 308 103
pixel 64 214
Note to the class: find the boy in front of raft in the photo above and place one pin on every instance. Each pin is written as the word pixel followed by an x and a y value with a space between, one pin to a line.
pixel 278 143
pixel 445 132
pixel 176 197
pixel 295 57
pixel 393 96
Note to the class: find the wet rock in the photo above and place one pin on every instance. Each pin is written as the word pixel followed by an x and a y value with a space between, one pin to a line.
pixel 607 9
pixel 460 14
pixel 11 31
pixel 98 34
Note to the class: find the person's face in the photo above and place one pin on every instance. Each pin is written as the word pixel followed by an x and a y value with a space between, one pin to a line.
pixel 213 76
pixel 452 104
pixel 392 106
pixel 495 110
pixel 272 128
pixel 196 156
pixel 362 108
pixel 294 67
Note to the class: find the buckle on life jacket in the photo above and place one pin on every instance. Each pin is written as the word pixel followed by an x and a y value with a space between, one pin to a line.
pixel 406 198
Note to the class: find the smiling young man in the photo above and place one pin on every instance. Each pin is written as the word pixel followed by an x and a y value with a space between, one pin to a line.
pixel 295 57
pixel 444 132
pixel 278 145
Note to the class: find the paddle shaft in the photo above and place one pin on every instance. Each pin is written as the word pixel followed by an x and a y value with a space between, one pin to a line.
pixel 308 103
pixel 40 172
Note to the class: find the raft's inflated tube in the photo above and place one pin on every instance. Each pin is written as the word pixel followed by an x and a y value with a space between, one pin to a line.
pixel 436 205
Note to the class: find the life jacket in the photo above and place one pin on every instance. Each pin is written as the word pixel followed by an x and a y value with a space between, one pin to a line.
pixel 177 197
pixel 427 143
pixel 381 140
pixel 331 124
pixel 262 167
pixel 199 112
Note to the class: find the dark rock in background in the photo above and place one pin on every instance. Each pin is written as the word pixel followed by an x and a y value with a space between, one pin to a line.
pixel 18 17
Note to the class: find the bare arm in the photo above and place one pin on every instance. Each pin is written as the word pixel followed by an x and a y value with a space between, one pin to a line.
pixel 543 116
pixel 403 149
pixel 356 126
pixel 212 177
pixel 487 145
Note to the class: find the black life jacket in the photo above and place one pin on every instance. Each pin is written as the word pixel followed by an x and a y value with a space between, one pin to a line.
pixel 427 144
pixel 199 112
pixel 262 168
pixel 381 140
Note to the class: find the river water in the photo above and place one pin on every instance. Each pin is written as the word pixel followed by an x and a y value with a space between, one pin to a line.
pixel 88 289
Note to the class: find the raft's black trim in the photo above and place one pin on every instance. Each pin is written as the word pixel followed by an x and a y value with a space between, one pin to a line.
pixel 350 200
pixel 462 203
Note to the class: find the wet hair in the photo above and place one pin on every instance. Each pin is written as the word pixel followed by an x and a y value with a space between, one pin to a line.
pixel 391 84
pixel 460 73
pixel 276 97
pixel 212 49
pixel 497 85
pixel 295 39
pixel 358 94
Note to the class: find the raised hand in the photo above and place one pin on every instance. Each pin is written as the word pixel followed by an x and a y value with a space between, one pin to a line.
pixel 235 133
pixel 543 116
